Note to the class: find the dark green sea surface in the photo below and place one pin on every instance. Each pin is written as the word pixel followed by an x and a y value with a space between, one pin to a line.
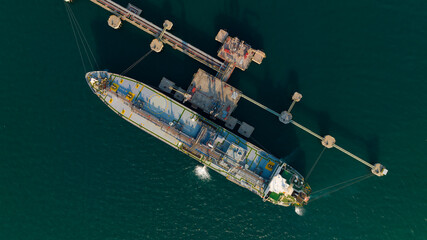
pixel 70 168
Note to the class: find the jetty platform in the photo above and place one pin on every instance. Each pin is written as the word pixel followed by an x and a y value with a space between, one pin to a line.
pixel 212 95
pixel 233 56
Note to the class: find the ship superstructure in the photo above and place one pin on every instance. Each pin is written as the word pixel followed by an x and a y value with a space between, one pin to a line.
pixel 212 145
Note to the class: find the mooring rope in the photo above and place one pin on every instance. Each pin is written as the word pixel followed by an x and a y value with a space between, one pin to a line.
pixel 136 63
pixel 83 37
pixel 85 48
pixel 78 33
pixel 341 183
pixel 81 41
pixel 315 163
pixel 359 179
pixel 75 36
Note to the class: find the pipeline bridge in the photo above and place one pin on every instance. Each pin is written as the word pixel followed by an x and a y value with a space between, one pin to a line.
pixel 166 37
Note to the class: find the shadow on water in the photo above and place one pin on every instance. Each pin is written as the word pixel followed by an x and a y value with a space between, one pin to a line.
pixel 269 133
pixel 118 49
pixel 279 139
pixel 327 125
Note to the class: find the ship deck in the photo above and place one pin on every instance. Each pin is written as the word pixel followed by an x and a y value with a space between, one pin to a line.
pixel 184 129
pixel 160 108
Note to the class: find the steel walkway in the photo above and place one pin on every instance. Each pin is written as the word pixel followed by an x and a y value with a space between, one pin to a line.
pixel 167 37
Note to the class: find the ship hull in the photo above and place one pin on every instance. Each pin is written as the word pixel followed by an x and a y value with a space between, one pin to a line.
pixel 185 130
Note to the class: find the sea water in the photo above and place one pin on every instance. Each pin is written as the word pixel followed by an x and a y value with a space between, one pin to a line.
pixel 70 168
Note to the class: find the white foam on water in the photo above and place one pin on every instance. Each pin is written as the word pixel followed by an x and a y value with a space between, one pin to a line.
pixel 202 173
pixel 300 211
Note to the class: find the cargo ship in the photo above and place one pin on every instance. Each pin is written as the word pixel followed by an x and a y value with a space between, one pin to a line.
pixel 214 146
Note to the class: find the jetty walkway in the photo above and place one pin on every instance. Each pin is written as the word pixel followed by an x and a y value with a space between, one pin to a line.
pixel 167 37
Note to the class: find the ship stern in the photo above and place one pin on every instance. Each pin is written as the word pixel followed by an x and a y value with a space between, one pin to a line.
pixel 287 188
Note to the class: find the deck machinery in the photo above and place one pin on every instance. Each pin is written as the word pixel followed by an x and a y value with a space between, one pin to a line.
pixel 212 145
